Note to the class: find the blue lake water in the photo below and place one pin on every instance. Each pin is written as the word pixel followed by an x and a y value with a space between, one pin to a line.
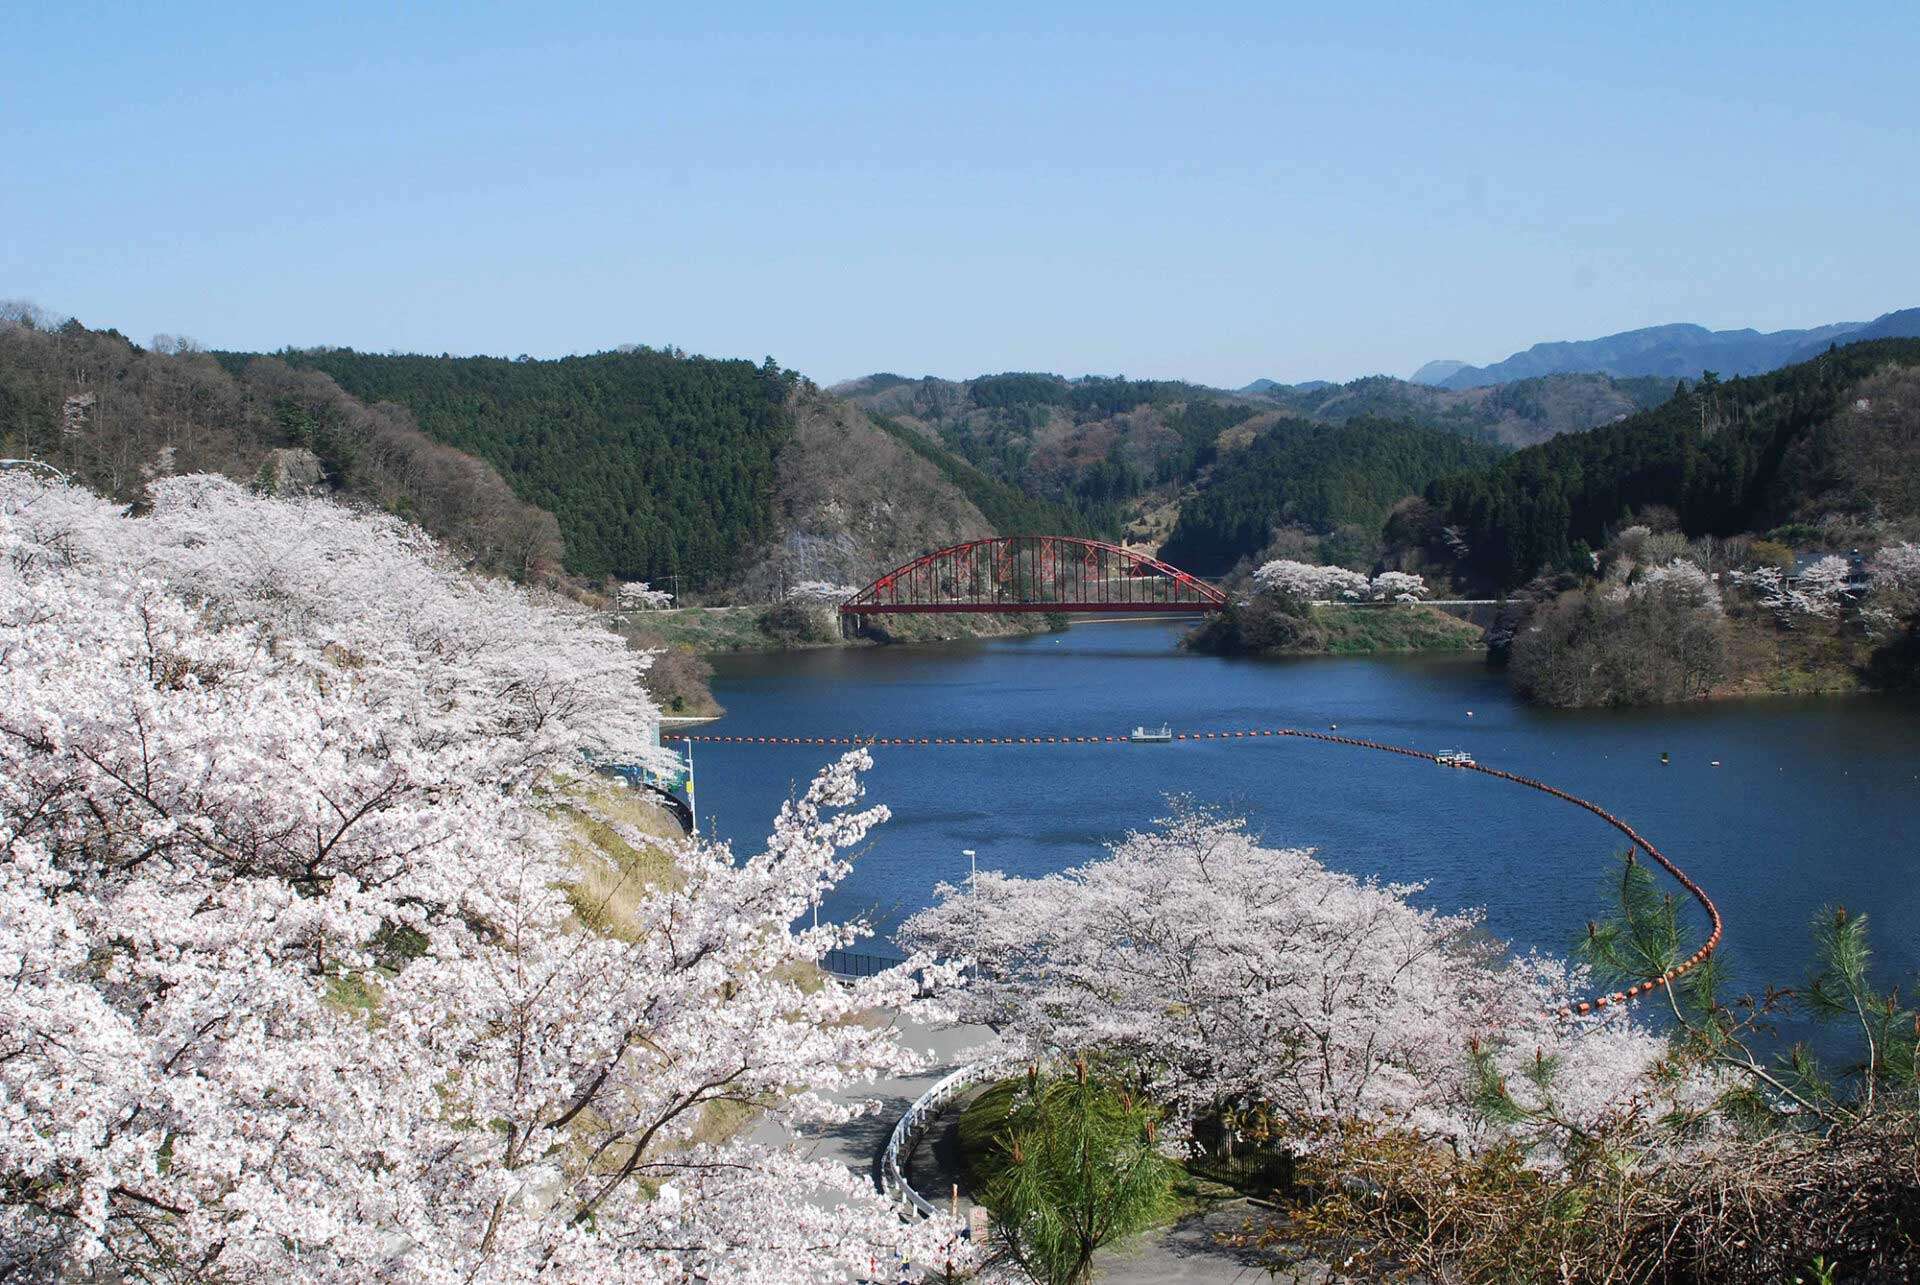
pixel 1814 801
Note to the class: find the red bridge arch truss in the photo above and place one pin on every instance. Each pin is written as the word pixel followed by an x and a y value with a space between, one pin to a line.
pixel 1035 573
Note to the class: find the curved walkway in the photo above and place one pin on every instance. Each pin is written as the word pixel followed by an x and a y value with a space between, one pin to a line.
pixel 1633 836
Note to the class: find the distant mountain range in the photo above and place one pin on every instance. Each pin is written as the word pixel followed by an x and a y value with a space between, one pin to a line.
pixel 1261 387
pixel 1436 373
pixel 1678 351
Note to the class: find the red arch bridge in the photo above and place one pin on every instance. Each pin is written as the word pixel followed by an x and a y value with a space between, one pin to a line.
pixel 1035 573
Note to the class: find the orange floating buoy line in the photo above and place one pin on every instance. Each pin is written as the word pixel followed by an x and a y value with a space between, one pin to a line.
pixel 1639 842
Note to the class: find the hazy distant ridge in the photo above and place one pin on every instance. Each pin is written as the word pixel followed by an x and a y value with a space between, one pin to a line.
pixel 1679 351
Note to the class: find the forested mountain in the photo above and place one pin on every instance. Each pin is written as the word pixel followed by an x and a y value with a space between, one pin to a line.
pixel 737 477
pixel 1088 445
pixel 1104 449
pixel 1010 509
pixel 1833 443
pixel 745 478
pixel 113 415
pixel 1904 324
pixel 1673 352
pixel 657 464
pixel 1315 476
pixel 1515 414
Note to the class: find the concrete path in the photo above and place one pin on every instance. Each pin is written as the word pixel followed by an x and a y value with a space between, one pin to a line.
pixel 1188 1253
pixel 858 1143
pixel 1191 1253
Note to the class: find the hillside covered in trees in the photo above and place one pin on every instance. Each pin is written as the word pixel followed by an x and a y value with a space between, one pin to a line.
pixel 1089 446
pixel 114 415
pixel 1118 456
pixel 657 464
pixel 1314 476
pixel 1518 413
pixel 740 480
pixel 1824 444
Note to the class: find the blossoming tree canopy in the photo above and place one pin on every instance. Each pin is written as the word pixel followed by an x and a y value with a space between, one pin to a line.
pixel 1683 582
pixel 1398 586
pixel 291 984
pixel 1311 582
pixel 638 595
pixel 1822 590
pixel 1269 980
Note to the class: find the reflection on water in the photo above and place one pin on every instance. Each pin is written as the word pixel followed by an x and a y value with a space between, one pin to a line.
pixel 1813 801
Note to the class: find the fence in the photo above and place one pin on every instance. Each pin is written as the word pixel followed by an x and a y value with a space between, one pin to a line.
pixel 852 963
pixel 906 1132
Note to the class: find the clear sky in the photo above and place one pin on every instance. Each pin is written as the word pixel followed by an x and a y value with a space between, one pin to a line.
pixel 1215 192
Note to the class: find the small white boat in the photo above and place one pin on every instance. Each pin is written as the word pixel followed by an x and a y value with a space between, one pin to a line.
pixel 1151 736
pixel 1454 758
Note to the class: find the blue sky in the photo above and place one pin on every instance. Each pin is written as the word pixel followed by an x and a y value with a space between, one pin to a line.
pixel 1216 192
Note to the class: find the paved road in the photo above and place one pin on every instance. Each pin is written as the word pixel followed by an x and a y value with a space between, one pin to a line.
pixel 1188 1253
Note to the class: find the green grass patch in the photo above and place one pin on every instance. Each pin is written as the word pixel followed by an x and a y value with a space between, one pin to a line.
pixel 711 630
pixel 706 629
pixel 1359 631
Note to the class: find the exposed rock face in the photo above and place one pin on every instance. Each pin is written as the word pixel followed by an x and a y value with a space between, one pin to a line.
pixel 294 470
pixel 852 503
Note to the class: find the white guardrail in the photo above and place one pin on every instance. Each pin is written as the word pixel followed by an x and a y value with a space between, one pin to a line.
pixel 907 1131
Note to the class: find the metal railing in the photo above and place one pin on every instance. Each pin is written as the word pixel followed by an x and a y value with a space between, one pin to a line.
pixel 909 1128
pixel 853 963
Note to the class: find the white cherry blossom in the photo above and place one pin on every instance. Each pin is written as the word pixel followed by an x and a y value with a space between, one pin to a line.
pixel 295 980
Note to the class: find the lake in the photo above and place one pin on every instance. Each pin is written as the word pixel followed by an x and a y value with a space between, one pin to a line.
pixel 1814 800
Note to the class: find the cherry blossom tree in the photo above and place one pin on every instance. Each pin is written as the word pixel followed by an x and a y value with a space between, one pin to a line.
pixel 1683 583
pixel 1893 578
pixel 294 983
pixel 1893 590
pixel 1821 591
pixel 1397 586
pixel 638 595
pixel 1309 582
pixel 1827 582
pixel 1273 984
pixel 818 592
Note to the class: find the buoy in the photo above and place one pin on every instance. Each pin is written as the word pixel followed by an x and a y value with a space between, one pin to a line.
pixel 1333 727
pixel 1469 713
